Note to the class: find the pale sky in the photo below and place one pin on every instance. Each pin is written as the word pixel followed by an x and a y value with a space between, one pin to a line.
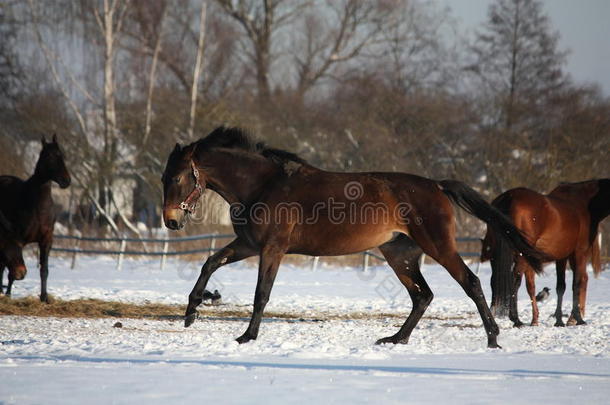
pixel 584 29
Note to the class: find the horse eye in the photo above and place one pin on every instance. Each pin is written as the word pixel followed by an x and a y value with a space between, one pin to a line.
pixel 177 179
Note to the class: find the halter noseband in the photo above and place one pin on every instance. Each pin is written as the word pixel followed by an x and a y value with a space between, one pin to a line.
pixel 190 202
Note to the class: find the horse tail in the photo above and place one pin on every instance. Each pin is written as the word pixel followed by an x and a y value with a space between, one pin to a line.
pixel 502 259
pixel 596 260
pixel 503 228
pixel 502 277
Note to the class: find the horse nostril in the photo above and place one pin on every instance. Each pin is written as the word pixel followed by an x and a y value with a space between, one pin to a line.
pixel 172 224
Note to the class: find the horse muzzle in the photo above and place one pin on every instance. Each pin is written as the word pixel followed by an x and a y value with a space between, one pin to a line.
pixel 19 272
pixel 65 182
pixel 174 218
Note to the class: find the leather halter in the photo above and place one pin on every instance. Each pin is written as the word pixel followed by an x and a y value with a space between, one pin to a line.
pixel 190 202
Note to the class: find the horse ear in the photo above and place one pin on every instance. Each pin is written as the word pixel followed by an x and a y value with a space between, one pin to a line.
pixel 54 138
pixel 177 148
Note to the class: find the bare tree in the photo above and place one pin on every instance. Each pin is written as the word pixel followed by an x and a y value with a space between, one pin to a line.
pixel 419 47
pixel 197 69
pixel 153 71
pixel 260 20
pixel 334 33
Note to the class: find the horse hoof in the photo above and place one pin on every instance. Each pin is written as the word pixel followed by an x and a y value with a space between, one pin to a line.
pixel 581 322
pixel 534 324
pixel 189 319
pixel 245 338
pixel 382 341
pixel 392 339
pixel 560 324
pixel 44 299
pixel 493 345
pixel 518 324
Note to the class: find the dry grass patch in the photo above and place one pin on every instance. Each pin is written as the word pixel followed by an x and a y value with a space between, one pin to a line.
pixel 94 308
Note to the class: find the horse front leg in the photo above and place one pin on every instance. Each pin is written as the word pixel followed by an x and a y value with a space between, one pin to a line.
pixel 579 290
pixel 44 247
pixel 513 314
pixel 2 266
pixel 235 251
pixel 270 259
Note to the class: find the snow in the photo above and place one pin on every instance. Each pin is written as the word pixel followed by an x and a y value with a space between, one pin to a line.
pixel 325 357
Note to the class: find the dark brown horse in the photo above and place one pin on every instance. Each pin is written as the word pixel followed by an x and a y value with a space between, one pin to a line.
pixel 280 204
pixel 29 214
pixel 563 225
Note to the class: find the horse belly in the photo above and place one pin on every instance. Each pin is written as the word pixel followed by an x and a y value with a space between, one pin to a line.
pixel 334 240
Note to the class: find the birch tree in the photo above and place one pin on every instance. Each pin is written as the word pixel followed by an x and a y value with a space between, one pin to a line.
pixel 197 69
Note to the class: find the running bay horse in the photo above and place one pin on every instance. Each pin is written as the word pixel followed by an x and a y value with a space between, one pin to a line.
pixel 29 214
pixel 281 204
pixel 563 225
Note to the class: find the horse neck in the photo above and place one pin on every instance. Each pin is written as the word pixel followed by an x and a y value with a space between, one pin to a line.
pixel 39 182
pixel 237 176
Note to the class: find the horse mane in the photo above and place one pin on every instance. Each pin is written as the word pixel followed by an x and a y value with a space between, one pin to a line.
pixel 237 138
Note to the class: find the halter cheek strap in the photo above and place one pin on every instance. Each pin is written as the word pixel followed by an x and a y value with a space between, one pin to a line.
pixel 190 202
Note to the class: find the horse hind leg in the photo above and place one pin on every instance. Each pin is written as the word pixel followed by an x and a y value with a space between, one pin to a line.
pixel 403 256
pixel 560 267
pixel 472 287
pixel 438 241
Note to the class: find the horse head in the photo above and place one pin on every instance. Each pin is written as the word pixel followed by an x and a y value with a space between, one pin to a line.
pixel 51 163
pixel 183 184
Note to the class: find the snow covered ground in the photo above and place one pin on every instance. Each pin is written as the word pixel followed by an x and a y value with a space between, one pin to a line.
pixel 51 360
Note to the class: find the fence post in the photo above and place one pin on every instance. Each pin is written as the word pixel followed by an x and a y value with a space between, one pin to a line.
pixel 314 263
pixel 73 264
pixel 121 250
pixel 164 257
pixel 365 261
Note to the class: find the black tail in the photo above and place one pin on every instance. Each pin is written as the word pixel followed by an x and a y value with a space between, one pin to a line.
pixel 502 262
pixel 502 226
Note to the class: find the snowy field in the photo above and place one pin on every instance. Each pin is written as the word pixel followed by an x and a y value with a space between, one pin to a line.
pixel 320 359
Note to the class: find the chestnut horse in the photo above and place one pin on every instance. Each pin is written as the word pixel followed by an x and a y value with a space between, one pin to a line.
pixel 29 214
pixel 563 225
pixel 281 204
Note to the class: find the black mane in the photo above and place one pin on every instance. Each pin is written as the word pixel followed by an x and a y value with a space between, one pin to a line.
pixel 237 138
pixel 231 138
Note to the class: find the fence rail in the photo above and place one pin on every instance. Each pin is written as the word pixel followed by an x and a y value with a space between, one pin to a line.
pixel 165 252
